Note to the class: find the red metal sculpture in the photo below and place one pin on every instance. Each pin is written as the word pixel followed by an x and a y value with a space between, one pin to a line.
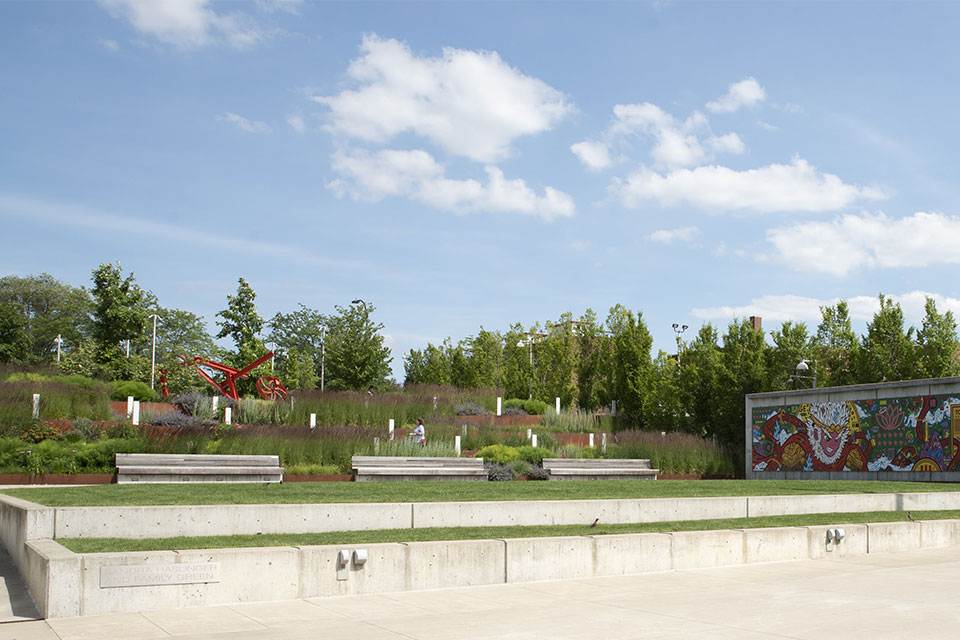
pixel 163 383
pixel 269 387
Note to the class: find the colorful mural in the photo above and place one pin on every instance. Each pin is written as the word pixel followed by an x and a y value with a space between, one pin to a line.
pixel 916 433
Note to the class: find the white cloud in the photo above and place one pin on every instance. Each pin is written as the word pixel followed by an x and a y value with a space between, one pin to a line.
pixel 186 24
pixel 417 175
pixel 780 308
pixel 869 240
pixel 669 236
pixel 727 143
pixel 110 45
pixel 594 155
pixel 767 126
pixel 746 93
pixel 250 126
pixel 794 187
pixel 296 123
pixel 470 103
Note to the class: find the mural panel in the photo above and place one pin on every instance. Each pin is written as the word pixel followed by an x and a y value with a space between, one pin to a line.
pixel 914 433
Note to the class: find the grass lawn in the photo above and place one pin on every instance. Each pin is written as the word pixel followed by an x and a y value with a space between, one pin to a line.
pixel 103 545
pixel 345 492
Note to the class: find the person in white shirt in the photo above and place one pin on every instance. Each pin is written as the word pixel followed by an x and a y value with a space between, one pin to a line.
pixel 420 433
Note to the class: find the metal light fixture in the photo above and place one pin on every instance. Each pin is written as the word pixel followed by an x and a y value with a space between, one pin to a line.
pixel 802 368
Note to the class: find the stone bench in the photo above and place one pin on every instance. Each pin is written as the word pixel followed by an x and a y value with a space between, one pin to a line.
pixel 381 468
pixel 167 467
pixel 592 469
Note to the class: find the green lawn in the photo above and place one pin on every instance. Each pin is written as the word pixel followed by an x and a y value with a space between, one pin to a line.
pixel 341 492
pixel 103 545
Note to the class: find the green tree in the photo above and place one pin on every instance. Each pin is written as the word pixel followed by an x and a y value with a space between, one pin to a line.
pixel 302 331
pixel 241 322
pixel 179 333
pixel 486 358
pixel 938 345
pixel 413 365
pixel 119 314
pixel 701 373
pixel 48 308
pixel 557 362
pixel 356 357
pixel 835 347
pixel 791 344
pixel 299 370
pixel 663 406
pixel 631 363
pixel 436 364
pixel 743 372
pixel 14 338
pixel 594 357
pixel 887 350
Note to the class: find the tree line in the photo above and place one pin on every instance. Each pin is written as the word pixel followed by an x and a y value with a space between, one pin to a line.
pixel 589 363
pixel 106 332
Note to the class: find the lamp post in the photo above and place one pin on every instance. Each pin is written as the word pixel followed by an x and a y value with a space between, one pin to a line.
pixel 323 352
pixel 59 341
pixel 802 369
pixel 531 338
pixel 679 329
pixel 153 348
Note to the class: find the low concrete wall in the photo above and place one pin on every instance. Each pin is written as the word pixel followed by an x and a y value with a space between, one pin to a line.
pixel 68 584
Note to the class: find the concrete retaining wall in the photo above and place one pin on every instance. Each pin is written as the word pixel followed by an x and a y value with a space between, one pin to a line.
pixel 68 584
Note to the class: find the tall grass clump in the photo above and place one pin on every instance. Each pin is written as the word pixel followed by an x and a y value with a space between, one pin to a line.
pixel 61 397
pixel 672 452
pixel 576 422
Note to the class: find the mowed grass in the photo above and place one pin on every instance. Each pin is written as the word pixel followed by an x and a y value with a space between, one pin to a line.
pixel 359 492
pixel 106 545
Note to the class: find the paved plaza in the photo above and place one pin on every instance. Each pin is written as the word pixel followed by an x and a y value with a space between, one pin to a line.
pixel 873 596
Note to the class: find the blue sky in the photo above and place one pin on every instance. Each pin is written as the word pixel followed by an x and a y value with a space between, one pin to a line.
pixel 477 164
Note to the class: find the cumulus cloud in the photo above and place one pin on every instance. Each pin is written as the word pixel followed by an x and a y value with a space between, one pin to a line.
pixel 470 103
pixel 186 24
pixel 676 143
pixel 250 126
pixel 869 240
pixel 417 175
pixel 780 308
pixel 797 186
pixel 669 236
pixel 746 93
pixel 594 155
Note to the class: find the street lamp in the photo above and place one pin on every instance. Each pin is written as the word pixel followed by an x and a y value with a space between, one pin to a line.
pixel 679 329
pixel 59 341
pixel 153 348
pixel 531 338
pixel 802 369
pixel 323 352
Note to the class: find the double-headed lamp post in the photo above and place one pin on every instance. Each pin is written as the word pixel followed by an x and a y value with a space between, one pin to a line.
pixel 528 342
pixel 323 352
pixel 679 329
pixel 802 369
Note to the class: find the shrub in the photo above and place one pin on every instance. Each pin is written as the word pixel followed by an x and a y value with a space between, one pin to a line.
pixel 499 453
pixel 538 473
pixel 499 473
pixel 514 411
pixel 122 389
pixel 123 430
pixel 39 432
pixel 514 403
pixel 471 409
pixel 534 455
pixel 87 430
pixel 177 419
pixel 521 467
pixel 535 407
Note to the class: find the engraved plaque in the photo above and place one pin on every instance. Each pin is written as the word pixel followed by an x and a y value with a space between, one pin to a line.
pixel 142 575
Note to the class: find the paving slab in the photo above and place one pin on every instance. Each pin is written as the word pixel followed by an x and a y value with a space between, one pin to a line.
pixel 804 599
pixel 15 602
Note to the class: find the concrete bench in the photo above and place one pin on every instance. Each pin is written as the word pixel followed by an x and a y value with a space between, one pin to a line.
pixel 164 467
pixel 380 468
pixel 591 469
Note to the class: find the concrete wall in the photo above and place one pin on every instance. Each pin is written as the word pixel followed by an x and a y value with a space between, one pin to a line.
pixel 877 449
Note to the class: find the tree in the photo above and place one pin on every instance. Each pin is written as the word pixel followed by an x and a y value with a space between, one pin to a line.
pixel 791 344
pixel 631 364
pixel 302 331
pixel 413 365
pixel 887 352
pixel 436 364
pixel 743 372
pixel 356 357
pixel 938 345
pixel 556 355
pixel 179 333
pixel 836 347
pixel 119 314
pixel 48 308
pixel 700 377
pixel 663 406
pixel 486 358
pixel 241 322
pixel 298 370
pixel 14 339
pixel 593 362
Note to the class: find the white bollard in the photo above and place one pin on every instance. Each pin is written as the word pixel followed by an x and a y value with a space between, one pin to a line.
pixel 434 403
pixel 36 405
pixel 558 405
pixel 129 406
pixel 227 415
pixel 499 406
pixel 376 446
pixel 313 420
pixel 456 444
pixel 613 409
pixel 591 440
pixel 603 443
pixel 529 433
pixel 214 401
pixel 390 428
pixel 533 440
pixel 136 412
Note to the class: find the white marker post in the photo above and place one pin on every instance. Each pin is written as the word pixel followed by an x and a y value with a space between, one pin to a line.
pixel 214 401
pixel 376 446
pixel 499 406
pixel 591 440
pixel 529 433
pixel 36 405
pixel 136 412
pixel 558 406
pixel 603 443
pixel 129 406
pixel 390 428
pixel 227 415
pixel 533 440
pixel 456 444
pixel 313 420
